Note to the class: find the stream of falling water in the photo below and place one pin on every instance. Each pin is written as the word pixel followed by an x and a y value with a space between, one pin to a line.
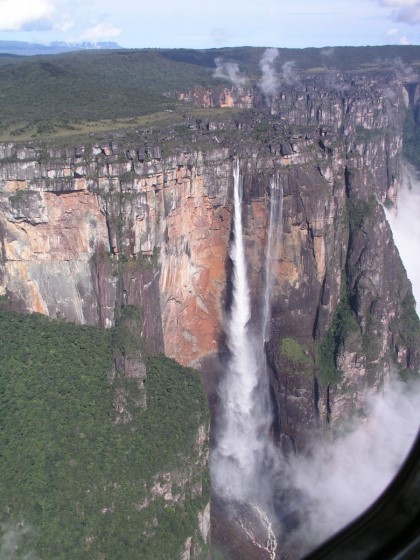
pixel 349 473
pixel 275 229
pixel 245 415
pixel 243 447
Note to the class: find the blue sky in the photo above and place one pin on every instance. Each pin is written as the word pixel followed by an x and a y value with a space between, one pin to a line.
pixel 188 23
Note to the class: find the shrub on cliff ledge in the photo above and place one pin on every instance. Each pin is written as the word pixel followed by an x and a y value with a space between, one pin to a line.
pixel 293 351
pixel 328 350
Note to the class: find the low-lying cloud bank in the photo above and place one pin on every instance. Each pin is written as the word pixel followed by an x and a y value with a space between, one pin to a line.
pixel 404 220
pixel 343 477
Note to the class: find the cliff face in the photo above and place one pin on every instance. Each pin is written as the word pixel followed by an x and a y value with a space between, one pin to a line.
pixel 89 229
pixel 80 236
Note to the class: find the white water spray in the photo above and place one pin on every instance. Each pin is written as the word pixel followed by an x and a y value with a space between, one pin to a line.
pixel 274 235
pixel 245 464
pixel 245 417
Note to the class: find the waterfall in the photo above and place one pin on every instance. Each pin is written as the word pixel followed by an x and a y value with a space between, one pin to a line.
pixel 348 472
pixel 243 444
pixel 273 238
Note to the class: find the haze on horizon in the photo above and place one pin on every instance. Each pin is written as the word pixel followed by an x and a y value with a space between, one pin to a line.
pixel 270 23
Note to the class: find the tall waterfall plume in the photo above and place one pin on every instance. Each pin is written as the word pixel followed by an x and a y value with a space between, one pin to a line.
pixel 243 447
pixel 275 230
pixel 339 478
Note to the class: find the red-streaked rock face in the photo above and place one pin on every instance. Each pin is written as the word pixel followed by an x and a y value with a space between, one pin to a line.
pixel 63 250
pixel 193 275
pixel 87 230
pixel 48 241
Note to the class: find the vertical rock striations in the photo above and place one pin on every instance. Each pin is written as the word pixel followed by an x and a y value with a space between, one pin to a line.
pixel 87 230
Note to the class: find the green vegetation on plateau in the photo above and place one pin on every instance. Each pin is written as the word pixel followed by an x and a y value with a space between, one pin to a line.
pixel 87 90
pixel 61 90
pixel 75 482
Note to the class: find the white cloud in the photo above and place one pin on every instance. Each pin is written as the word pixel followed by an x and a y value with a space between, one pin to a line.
pixel 407 11
pixel 397 38
pixel 405 224
pixel 344 476
pixel 399 3
pixel 24 15
pixel 220 36
pixel 64 24
pixel 328 52
pixel 100 32
pixel 270 82
pixel 12 540
pixel 229 71
pixel 289 74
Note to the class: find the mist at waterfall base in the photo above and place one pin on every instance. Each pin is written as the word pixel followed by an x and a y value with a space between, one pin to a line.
pixel 339 477
pixel 342 477
pixel 245 417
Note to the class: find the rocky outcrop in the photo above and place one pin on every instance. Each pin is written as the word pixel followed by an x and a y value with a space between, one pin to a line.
pixel 88 230
pixel 80 246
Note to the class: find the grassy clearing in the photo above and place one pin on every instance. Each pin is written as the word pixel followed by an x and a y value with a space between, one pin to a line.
pixel 81 130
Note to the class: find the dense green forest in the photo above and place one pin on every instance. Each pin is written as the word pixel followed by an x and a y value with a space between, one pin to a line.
pixel 77 482
pixel 47 94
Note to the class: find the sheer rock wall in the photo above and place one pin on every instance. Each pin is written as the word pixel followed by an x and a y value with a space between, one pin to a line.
pixel 88 229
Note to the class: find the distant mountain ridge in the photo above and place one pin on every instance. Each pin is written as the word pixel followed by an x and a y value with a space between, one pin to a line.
pixel 24 48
